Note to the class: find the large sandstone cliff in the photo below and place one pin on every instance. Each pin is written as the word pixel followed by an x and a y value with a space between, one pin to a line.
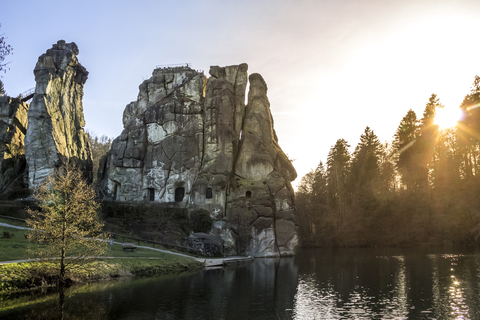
pixel 55 132
pixel 191 142
pixel 13 126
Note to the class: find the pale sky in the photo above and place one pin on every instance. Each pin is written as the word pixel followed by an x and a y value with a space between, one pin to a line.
pixel 332 67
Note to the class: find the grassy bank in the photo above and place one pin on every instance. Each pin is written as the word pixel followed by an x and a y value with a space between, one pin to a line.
pixel 36 274
pixel 14 248
pixel 24 276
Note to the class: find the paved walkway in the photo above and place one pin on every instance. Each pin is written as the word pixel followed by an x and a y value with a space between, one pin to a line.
pixel 208 262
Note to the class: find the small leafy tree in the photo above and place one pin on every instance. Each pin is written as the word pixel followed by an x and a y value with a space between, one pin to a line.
pixel 67 226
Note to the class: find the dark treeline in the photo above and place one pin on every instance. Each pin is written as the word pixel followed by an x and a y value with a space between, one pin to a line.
pixel 421 189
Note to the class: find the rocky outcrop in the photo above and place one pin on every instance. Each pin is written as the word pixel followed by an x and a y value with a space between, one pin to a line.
pixel 13 126
pixel 55 119
pixel 204 244
pixel 191 142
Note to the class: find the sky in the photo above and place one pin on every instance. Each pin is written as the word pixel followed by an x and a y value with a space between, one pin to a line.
pixel 332 67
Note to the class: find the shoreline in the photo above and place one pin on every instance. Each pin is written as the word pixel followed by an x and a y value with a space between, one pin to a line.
pixel 38 275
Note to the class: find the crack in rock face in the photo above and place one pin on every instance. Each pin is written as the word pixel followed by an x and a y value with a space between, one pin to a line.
pixel 190 141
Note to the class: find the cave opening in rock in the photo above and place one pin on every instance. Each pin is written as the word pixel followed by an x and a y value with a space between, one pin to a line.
pixel 209 193
pixel 248 194
pixel 151 194
pixel 179 194
pixel 115 191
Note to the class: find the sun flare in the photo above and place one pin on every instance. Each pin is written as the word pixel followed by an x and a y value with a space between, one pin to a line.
pixel 447 118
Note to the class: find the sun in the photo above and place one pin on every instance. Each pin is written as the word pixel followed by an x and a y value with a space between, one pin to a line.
pixel 447 117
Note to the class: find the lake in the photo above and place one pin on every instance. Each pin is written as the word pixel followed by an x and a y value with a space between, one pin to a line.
pixel 316 284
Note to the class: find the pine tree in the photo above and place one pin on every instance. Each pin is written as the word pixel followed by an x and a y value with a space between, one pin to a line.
pixel 427 139
pixel 365 167
pixel 320 184
pixel 469 130
pixel 406 150
pixel 338 162
pixel 363 183
pixel 388 174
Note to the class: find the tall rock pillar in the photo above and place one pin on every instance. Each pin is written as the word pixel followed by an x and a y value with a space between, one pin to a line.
pixel 55 132
pixel 260 206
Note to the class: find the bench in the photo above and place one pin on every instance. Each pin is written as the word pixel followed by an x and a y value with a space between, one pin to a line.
pixel 7 235
pixel 128 246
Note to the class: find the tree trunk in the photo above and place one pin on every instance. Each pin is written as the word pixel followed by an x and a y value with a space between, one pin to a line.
pixel 62 258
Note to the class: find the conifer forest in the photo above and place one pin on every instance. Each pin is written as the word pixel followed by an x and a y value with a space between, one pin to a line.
pixel 420 189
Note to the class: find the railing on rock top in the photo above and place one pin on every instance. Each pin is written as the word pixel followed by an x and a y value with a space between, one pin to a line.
pixel 174 65
pixel 27 95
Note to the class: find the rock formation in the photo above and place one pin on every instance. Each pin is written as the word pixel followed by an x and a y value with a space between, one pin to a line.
pixel 192 142
pixel 55 132
pixel 13 126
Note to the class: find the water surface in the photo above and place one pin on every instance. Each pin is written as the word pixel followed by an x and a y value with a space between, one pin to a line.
pixel 316 284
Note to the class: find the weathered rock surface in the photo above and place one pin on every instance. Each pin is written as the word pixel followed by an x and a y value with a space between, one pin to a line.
pixel 205 244
pixel 191 142
pixel 13 126
pixel 55 132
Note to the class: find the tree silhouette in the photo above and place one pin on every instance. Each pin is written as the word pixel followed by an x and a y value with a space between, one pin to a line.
pixel 338 162
pixel 406 150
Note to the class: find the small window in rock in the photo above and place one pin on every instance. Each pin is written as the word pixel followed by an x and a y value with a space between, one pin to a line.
pixel 248 194
pixel 179 194
pixel 209 193
pixel 151 194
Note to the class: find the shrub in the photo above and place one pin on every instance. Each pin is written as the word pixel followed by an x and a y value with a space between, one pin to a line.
pixel 201 221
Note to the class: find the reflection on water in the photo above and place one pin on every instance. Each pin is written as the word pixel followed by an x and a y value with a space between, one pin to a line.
pixel 363 284
pixel 317 284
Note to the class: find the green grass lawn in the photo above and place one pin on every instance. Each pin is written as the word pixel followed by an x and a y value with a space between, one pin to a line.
pixel 14 248
pixel 116 249
pixel 30 275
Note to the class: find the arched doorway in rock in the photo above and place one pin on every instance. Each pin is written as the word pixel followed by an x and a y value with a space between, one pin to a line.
pixel 209 193
pixel 248 194
pixel 179 194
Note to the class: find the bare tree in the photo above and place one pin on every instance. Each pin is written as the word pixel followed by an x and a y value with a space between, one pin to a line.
pixel 5 50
